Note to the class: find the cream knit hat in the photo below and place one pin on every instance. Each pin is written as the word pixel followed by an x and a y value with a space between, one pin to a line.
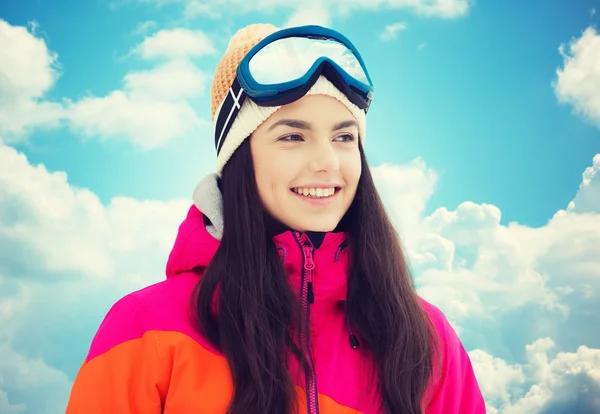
pixel 251 115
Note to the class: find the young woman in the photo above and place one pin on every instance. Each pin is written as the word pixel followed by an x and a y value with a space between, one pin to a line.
pixel 287 290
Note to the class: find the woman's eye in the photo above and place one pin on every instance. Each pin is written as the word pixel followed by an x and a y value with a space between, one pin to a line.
pixel 346 138
pixel 291 137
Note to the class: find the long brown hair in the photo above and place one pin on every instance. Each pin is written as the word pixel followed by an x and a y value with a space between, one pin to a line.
pixel 257 311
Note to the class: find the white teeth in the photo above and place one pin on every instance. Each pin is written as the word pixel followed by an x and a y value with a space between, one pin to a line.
pixel 315 192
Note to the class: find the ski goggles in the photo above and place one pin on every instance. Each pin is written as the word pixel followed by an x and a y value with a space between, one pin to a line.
pixel 285 65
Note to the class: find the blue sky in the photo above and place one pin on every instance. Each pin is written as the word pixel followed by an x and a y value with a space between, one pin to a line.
pixel 484 135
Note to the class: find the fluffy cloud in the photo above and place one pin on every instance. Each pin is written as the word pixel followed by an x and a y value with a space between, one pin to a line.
pixel 151 110
pixel 541 282
pixel 144 27
pixel 391 31
pixel 57 241
pixel 174 80
pixel 474 267
pixel 465 258
pixel 569 382
pixel 153 107
pixel 29 77
pixel 578 81
pixel 406 189
pixel 27 71
pixel 70 232
pixel 432 8
pixel 30 385
pixel 588 196
pixel 176 44
pixel 147 124
pixel 497 379
pixel 310 14
pixel 485 275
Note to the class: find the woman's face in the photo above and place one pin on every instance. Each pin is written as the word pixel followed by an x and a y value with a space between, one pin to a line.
pixel 307 163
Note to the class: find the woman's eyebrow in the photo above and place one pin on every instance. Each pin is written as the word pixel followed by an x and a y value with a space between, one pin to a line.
pixel 296 123
pixel 292 123
pixel 345 124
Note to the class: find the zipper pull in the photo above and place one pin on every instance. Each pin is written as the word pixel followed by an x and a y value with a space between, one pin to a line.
pixel 309 264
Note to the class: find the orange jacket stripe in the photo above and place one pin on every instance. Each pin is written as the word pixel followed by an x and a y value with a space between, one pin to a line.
pixel 153 373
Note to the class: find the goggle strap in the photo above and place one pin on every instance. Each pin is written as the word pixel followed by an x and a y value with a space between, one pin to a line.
pixel 229 110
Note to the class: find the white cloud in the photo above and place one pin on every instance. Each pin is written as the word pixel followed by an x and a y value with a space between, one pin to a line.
pixel 435 8
pixel 144 27
pixel 39 208
pixel 28 67
pixel 496 378
pixel 27 71
pixel 173 80
pixel 199 8
pixel 588 196
pixel 147 123
pixel 592 11
pixel 42 389
pixel 152 109
pixel 578 81
pixel 477 269
pixel 406 189
pixel 391 31
pixel 65 256
pixel 567 383
pixel 176 44
pixel 310 14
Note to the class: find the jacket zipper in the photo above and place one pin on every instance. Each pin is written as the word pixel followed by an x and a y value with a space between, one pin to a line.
pixel 308 298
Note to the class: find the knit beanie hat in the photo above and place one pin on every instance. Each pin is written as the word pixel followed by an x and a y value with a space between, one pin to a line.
pixel 251 115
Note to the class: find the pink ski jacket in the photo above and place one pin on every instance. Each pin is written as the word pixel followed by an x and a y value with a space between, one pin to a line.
pixel 146 356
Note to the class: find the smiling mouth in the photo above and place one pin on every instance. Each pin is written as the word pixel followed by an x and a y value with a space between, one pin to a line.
pixel 316 192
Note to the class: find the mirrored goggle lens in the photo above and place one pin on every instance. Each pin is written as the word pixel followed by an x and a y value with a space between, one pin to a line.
pixel 290 58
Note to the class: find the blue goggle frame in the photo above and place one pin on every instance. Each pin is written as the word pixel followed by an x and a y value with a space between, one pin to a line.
pixel 264 94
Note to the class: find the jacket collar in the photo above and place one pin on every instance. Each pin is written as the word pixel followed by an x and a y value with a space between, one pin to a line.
pixel 199 236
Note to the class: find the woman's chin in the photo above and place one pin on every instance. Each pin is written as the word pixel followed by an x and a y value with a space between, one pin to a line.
pixel 317 227
pixel 304 221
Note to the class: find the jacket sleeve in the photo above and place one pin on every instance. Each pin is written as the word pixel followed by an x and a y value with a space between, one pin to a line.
pixel 455 389
pixel 122 372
